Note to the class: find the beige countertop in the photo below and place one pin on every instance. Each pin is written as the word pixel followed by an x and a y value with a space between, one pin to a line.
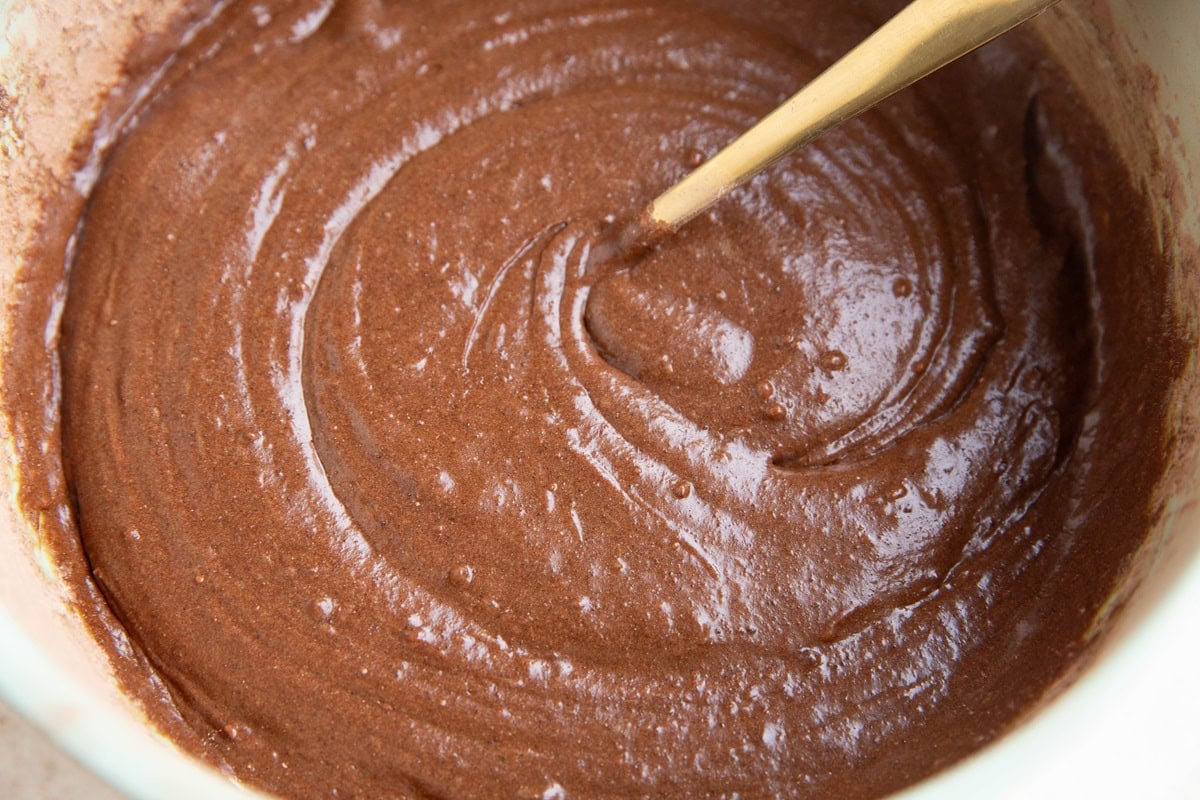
pixel 31 768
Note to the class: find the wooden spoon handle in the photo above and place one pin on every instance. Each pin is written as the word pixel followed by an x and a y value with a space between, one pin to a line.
pixel 922 38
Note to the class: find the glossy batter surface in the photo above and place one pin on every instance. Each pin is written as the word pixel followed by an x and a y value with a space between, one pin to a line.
pixel 391 496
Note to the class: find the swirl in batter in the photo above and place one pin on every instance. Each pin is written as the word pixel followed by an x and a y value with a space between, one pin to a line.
pixel 394 497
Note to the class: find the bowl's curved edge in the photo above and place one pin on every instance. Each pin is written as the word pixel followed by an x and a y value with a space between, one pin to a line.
pixel 103 741
pixel 1118 725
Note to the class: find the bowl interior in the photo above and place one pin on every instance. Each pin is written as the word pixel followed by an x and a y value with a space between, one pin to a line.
pixel 1132 705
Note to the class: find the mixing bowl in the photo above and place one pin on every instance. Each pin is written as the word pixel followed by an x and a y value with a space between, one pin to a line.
pixel 1121 725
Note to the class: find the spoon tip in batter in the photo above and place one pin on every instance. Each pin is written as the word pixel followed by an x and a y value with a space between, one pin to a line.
pixel 625 241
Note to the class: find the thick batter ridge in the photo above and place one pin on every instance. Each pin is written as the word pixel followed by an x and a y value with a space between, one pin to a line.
pixel 390 495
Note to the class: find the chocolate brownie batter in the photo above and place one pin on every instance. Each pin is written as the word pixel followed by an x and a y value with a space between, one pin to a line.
pixel 391 495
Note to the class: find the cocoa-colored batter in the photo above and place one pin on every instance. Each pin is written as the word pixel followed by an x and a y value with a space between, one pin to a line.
pixel 389 495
